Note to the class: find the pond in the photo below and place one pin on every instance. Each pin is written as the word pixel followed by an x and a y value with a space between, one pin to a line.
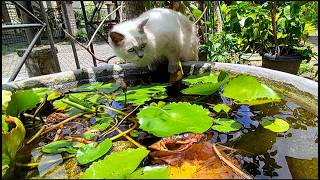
pixel 110 130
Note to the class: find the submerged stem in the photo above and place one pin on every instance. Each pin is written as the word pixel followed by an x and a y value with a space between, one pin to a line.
pixel 124 132
pixel 37 163
pixel 37 134
pixel 129 138
pixel 62 122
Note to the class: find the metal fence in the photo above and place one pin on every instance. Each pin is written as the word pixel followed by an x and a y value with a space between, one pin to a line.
pixel 69 55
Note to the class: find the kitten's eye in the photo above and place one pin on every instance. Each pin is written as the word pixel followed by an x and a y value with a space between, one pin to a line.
pixel 142 46
pixel 131 50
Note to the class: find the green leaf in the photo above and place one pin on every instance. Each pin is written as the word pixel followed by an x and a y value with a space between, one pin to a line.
pixel 221 107
pixel 92 151
pixel 88 135
pixel 102 122
pixel 140 94
pixel 116 165
pixel 174 118
pixel 27 99
pixel 98 86
pixel 246 89
pixel 58 147
pixel 286 12
pixel 206 78
pixel 151 172
pixel 278 125
pixel 197 13
pixel 11 143
pixel 226 125
pixel 202 89
pixel 6 98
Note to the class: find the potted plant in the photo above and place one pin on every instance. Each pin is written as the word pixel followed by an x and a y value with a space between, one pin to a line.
pixel 290 31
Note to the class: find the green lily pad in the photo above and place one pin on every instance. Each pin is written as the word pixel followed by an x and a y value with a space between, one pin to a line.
pixel 226 125
pixel 278 125
pixel 174 118
pixel 88 135
pixel 221 107
pixel 205 78
pixel 102 122
pixel 140 94
pixel 11 143
pixel 98 86
pixel 27 99
pixel 6 98
pixel 117 165
pixel 92 151
pixel 58 147
pixel 206 85
pixel 202 89
pixel 151 172
pixel 246 89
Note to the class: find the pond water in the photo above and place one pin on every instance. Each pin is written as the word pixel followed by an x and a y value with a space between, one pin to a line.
pixel 263 154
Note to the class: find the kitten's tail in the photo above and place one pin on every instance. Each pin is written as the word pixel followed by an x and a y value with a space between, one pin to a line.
pixel 201 15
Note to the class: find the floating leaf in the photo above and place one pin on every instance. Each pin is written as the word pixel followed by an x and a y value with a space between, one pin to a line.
pixel 221 107
pixel 206 78
pixel 246 89
pixel 58 147
pixel 27 99
pixel 226 125
pixel 116 165
pixel 150 172
pixel 6 98
pixel 88 135
pixel 278 125
pixel 174 118
pixel 98 86
pixel 202 89
pixel 206 85
pixel 140 94
pixel 11 143
pixel 102 122
pixel 92 151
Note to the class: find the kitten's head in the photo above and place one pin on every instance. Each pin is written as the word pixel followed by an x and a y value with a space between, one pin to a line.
pixel 129 42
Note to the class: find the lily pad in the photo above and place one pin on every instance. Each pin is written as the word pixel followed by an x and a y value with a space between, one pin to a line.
pixel 221 107
pixel 28 99
pixel 117 165
pixel 98 86
pixel 206 85
pixel 5 126
pixel 140 94
pixel 58 147
pixel 278 125
pixel 174 118
pixel 195 79
pixel 151 172
pixel 226 125
pixel 92 151
pixel 246 89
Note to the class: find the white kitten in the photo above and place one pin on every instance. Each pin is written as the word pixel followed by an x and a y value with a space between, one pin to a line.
pixel 156 35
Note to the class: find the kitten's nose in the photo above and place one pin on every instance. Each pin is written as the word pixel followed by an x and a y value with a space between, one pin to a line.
pixel 140 54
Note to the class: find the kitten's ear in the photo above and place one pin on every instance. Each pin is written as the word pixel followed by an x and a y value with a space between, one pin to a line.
pixel 142 24
pixel 116 37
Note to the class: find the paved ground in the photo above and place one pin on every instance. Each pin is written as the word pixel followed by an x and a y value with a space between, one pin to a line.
pixel 65 56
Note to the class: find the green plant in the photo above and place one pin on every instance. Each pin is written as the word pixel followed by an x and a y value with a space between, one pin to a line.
pixel 220 47
pixel 292 30
pixel 305 68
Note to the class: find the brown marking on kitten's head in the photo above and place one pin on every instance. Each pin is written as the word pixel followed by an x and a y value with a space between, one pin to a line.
pixel 141 25
pixel 116 37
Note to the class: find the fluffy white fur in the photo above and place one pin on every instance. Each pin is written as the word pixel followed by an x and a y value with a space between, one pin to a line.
pixel 166 35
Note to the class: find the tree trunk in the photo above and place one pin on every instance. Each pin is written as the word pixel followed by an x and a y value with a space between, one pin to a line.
pixel 274 25
pixel 133 9
pixel 219 22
